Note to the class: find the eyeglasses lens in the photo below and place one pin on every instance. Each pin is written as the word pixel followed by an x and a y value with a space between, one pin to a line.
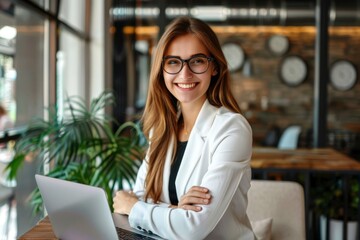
pixel 196 64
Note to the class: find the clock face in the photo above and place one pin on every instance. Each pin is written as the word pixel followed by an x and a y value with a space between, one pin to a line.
pixel 278 44
pixel 343 75
pixel 234 55
pixel 293 70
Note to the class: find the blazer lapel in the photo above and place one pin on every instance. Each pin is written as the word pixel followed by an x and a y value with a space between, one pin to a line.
pixel 194 146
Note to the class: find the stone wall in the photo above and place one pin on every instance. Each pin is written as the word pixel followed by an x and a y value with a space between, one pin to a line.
pixel 266 100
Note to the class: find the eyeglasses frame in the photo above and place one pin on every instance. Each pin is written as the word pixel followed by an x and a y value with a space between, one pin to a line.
pixel 209 59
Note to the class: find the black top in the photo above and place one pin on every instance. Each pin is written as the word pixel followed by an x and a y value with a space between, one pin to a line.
pixel 174 171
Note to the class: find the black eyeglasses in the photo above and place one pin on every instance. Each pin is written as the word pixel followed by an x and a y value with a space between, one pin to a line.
pixel 197 64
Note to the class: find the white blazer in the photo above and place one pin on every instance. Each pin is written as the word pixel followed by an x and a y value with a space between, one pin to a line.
pixel 217 157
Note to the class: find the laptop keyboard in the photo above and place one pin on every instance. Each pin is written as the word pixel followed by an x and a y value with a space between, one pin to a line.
pixel 124 234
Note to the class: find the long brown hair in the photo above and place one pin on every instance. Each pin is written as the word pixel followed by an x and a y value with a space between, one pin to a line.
pixel 160 113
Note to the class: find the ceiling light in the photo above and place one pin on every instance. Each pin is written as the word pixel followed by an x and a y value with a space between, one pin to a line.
pixel 7 32
pixel 210 13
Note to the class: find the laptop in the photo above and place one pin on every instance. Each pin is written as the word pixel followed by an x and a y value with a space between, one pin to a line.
pixel 78 212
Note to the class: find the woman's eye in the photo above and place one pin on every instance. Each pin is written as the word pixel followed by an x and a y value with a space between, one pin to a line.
pixel 198 61
pixel 172 61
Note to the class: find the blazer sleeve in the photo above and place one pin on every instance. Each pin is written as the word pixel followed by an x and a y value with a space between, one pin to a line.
pixel 229 153
pixel 139 187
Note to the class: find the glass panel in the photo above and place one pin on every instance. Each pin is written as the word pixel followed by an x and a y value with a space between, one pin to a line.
pixel 29 100
pixel 70 67
pixel 73 13
pixel 49 5
pixel 29 77
pixel 40 3
pixel 7 71
pixel 7 92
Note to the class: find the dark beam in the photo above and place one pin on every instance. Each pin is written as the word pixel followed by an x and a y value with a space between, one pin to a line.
pixel 162 17
pixel 321 74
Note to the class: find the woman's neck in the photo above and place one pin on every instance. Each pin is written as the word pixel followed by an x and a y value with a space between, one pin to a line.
pixel 189 114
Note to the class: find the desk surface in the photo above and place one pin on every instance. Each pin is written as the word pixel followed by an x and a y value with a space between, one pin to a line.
pixel 41 231
pixel 325 159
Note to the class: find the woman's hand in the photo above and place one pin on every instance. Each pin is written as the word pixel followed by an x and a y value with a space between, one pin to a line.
pixel 124 201
pixel 195 196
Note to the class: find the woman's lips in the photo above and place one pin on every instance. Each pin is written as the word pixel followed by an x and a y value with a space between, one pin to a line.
pixel 186 85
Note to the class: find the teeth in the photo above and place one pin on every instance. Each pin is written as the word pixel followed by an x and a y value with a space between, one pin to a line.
pixel 186 85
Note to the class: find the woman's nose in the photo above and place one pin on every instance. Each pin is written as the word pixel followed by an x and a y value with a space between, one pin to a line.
pixel 185 72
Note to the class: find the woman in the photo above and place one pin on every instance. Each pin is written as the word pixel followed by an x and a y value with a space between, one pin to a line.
pixel 193 183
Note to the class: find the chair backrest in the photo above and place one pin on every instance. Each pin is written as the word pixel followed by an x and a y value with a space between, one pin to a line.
pixel 283 201
pixel 290 137
pixel 272 137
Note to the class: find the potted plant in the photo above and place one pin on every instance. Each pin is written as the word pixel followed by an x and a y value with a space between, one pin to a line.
pixel 329 204
pixel 81 147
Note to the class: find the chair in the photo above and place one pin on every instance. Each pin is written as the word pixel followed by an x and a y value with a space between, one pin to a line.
pixel 290 137
pixel 283 201
pixel 272 137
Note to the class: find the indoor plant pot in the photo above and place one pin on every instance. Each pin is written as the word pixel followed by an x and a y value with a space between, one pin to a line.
pixel 329 204
pixel 336 229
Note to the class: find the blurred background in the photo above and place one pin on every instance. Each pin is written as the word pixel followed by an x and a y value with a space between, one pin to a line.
pixel 51 49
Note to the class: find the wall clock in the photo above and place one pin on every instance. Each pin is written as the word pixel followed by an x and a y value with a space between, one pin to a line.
pixel 343 75
pixel 278 44
pixel 293 70
pixel 234 55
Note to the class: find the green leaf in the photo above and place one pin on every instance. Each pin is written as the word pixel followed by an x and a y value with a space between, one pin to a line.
pixel 82 147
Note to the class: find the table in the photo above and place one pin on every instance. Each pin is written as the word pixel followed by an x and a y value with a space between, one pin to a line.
pixel 40 231
pixel 314 159
pixel 266 161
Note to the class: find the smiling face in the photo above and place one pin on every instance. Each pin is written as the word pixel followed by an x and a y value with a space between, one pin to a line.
pixel 186 86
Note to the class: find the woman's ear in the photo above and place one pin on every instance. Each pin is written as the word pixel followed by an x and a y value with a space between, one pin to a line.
pixel 214 72
pixel 215 69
